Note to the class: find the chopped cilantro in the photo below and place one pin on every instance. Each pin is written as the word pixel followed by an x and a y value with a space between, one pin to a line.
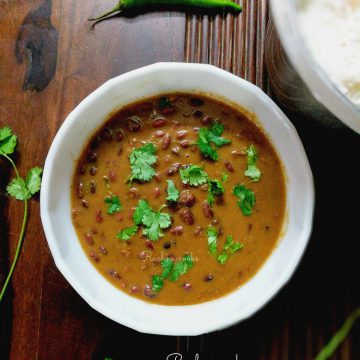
pixel 113 203
pixel 207 137
pixel 173 192
pixel 212 240
pixel 230 248
pixel 216 188
pixel 246 199
pixel 252 170
pixel 224 177
pixel 141 161
pixel 157 283
pixel 171 271
pixel 167 265
pixel 153 221
pixel 193 175
pixel 127 233
pixel 181 267
pixel 163 103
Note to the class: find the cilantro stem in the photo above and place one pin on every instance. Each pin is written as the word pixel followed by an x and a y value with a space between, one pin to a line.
pixel 18 248
pixel 21 236
pixel 12 164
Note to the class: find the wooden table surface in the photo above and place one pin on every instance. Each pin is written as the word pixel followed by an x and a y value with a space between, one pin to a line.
pixel 50 59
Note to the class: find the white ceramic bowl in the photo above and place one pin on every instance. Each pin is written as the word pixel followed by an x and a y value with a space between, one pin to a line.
pixel 56 208
pixel 285 15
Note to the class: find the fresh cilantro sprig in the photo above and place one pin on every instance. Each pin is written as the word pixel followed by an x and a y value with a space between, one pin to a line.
pixel 193 175
pixel 153 221
pixel 172 271
pixel 216 188
pixel 252 170
pixel 172 191
pixel 230 246
pixel 18 188
pixel 113 204
pixel 207 137
pixel 142 160
pixel 127 233
pixel 246 198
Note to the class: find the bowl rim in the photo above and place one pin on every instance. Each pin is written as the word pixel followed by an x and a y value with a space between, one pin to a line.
pixel 315 78
pixel 198 328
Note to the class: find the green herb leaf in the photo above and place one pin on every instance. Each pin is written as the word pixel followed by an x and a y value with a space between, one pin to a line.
pixel 212 240
pixel 230 248
pixel 252 170
pixel 193 175
pixel 153 221
pixel 142 208
pixel 167 265
pixel 224 177
pixel 181 267
pixel 163 103
pixel 157 283
pixel 206 137
pixel 141 161
pixel 246 199
pixel 173 192
pixel 33 180
pixel 216 188
pixel 8 141
pixel 127 233
pixel 17 189
pixel 113 203
pixel 223 258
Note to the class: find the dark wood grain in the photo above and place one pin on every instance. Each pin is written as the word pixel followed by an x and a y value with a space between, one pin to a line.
pixel 42 317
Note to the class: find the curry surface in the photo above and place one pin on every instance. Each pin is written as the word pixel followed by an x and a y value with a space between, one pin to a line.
pixel 104 167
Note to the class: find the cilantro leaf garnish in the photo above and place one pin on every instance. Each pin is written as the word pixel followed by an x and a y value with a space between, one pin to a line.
pixel 216 188
pixel 167 265
pixel 8 141
pixel 246 198
pixel 141 161
pixel 127 233
pixel 163 103
pixel 171 271
pixel 230 246
pixel 193 175
pixel 113 203
pixel 20 189
pixel 173 192
pixel 212 240
pixel 252 170
pixel 181 267
pixel 153 221
pixel 224 177
pixel 157 282
pixel 209 136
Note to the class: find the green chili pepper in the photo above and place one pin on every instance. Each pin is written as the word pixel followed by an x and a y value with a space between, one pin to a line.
pixel 339 336
pixel 124 5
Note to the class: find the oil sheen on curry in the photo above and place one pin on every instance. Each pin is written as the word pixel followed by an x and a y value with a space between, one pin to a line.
pixel 178 199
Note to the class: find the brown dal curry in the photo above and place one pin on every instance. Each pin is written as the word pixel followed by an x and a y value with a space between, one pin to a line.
pixel 181 267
